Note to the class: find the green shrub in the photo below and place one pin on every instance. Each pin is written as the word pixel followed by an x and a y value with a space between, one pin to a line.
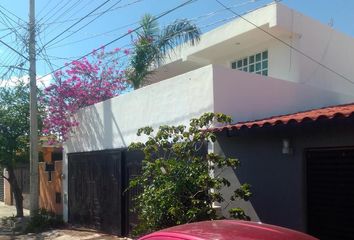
pixel 43 220
pixel 175 185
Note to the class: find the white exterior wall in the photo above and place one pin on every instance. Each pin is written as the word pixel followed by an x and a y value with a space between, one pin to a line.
pixel 239 39
pixel 321 42
pixel 247 96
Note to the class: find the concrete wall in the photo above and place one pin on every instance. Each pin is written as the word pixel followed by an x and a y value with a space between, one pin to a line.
pixel 239 39
pixel 247 96
pixel 278 180
pixel 8 198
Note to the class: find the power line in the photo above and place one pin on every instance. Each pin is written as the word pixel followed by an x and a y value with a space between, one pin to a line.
pixel 1 41
pixel 71 26
pixel 13 14
pixel 66 11
pixel 102 13
pixel 45 6
pixel 11 27
pixel 95 14
pixel 126 34
pixel 285 43
pixel 51 11
pixel 131 24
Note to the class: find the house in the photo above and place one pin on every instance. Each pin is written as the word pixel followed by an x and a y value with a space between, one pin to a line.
pixel 237 69
pixel 300 167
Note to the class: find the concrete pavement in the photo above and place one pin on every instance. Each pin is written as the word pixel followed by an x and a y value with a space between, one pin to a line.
pixel 9 211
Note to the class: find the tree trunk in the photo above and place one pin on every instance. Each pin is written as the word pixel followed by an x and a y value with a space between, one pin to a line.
pixel 16 191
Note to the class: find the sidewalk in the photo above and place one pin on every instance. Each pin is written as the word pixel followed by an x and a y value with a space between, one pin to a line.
pixel 56 234
pixel 9 211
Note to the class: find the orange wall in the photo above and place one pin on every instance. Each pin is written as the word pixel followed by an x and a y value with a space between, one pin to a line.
pixel 8 200
pixel 48 189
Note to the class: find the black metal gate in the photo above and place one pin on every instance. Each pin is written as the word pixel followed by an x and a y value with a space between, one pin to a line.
pixel 330 193
pixel 97 184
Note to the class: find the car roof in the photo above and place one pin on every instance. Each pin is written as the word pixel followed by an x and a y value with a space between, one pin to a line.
pixel 228 230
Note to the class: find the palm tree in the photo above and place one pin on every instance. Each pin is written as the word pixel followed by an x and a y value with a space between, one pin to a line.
pixel 152 45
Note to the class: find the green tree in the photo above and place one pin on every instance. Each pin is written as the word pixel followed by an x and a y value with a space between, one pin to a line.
pixel 152 45
pixel 14 135
pixel 175 184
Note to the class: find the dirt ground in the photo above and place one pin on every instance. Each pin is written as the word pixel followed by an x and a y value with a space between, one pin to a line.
pixel 64 234
pixel 57 234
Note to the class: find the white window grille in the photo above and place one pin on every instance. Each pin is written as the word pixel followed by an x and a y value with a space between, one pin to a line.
pixel 257 63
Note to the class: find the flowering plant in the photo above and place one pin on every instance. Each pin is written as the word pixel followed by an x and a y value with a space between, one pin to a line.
pixel 85 82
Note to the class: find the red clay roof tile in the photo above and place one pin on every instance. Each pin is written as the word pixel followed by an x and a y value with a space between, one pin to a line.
pixel 345 110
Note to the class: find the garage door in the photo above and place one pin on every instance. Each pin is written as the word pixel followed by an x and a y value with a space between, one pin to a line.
pixel 330 193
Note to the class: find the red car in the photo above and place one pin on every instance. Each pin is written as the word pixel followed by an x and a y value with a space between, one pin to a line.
pixel 227 230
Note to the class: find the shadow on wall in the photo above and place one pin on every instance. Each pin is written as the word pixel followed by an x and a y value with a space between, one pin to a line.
pixel 275 178
pixel 99 130
pixel 95 131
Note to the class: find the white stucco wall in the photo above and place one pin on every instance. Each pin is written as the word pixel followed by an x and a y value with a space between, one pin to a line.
pixel 247 96
pixel 239 39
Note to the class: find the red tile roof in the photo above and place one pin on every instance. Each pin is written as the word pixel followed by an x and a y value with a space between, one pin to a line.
pixel 345 111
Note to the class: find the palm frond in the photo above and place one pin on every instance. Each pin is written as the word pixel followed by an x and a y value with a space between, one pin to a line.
pixel 150 27
pixel 181 31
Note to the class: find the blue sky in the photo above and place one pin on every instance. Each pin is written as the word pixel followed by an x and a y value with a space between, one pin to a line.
pixel 54 16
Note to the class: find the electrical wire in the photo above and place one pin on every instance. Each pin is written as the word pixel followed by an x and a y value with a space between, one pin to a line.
pixel 94 14
pixel 134 23
pixel 51 11
pixel 1 41
pixel 126 34
pixel 43 8
pixel 102 13
pixel 13 14
pixel 73 25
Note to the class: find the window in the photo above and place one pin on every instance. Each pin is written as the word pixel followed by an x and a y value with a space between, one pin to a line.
pixel 257 63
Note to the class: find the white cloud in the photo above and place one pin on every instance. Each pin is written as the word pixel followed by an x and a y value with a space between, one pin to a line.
pixel 42 82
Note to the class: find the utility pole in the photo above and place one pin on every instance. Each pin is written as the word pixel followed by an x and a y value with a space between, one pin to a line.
pixel 34 185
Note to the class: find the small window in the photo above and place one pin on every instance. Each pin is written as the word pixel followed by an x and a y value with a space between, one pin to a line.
pixel 58 197
pixel 257 63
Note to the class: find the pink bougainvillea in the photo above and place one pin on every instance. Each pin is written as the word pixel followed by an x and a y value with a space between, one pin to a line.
pixel 83 83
